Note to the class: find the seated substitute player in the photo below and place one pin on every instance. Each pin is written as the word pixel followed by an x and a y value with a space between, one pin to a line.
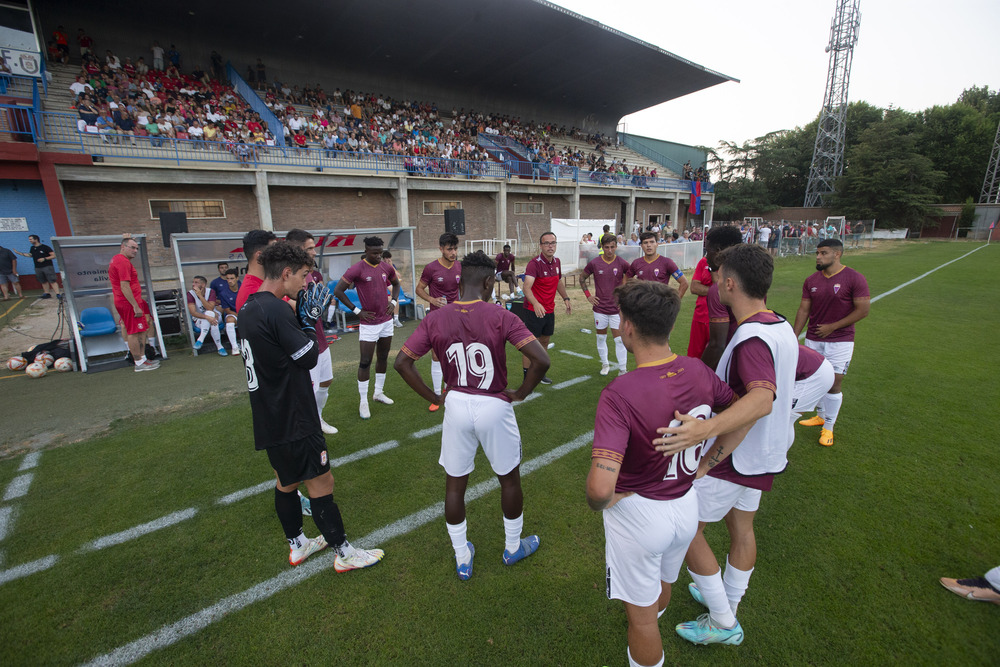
pixel 759 364
pixel 833 299
pixel 201 303
pixel 609 272
pixel 227 295
pixel 220 280
pixel 371 278
pixel 279 348
pixel 653 266
pixel 469 336
pixel 322 373
pixel 650 510
pixel 506 271
pixel 438 286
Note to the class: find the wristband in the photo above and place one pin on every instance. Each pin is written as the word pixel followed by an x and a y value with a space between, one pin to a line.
pixel 393 302
pixel 566 298
pixel 586 293
pixel 357 311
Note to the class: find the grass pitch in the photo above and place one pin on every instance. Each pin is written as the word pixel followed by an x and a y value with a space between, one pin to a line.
pixel 851 541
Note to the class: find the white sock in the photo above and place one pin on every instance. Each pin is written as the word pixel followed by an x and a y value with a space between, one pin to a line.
pixel 203 335
pixel 714 592
pixel 633 663
pixel 141 361
pixel 735 581
pixel 379 383
pixel 602 348
pixel 322 393
pixel 459 541
pixel 346 549
pixel 231 335
pixel 620 352
pixel 831 408
pixel 216 337
pixel 298 542
pixel 363 390
pixel 512 532
pixel 437 376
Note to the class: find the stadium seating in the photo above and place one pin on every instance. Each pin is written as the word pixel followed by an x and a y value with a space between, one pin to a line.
pixel 96 321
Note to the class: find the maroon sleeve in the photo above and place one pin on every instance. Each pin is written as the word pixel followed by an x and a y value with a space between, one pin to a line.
pixel 190 298
pixel 419 342
pixel 611 430
pixel 806 294
pixel 716 311
pixel 630 272
pixel 724 396
pixel 352 273
pixel 859 287
pixel 427 276
pixel 589 269
pixel 754 365
pixel 531 269
pixel 515 332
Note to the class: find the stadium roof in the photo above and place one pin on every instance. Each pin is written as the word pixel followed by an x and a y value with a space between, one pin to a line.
pixel 497 53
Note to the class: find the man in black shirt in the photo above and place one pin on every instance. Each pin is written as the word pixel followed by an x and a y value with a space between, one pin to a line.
pixel 279 347
pixel 42 256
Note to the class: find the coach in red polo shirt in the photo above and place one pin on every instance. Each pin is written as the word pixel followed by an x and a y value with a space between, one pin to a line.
pixel 542 279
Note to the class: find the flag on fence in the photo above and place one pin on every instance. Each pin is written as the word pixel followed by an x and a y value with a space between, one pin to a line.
pixel 695 207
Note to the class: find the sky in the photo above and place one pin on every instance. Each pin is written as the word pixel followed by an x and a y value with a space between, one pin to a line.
pixel 911 55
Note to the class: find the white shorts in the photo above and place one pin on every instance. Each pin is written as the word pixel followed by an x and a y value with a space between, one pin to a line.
pixel 717 496
pixel 808 392
pixel 838 354
pixel 323 370
pixel 602 321
pixel 471 420
pixel 645 542
pixel 370 333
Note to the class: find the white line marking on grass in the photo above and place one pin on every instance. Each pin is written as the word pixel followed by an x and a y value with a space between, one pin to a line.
pixel 570 383
pixel 170 634
pixel 30 461
pixel 28 568
pixel 529 397
pixel 427 431
pixel 576 354
pixel 18 486
pixel 6 521
pixel 910 282
pixel 140 530
pixel 269 484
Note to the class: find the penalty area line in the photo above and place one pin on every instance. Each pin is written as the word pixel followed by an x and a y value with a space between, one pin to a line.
pixel 171 634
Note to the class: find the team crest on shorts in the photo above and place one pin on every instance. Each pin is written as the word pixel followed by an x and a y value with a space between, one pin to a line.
pixel 322 458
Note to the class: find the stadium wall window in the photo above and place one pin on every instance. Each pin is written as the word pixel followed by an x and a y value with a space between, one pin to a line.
pixel 528 208
pixel 196 209
pixel 439 207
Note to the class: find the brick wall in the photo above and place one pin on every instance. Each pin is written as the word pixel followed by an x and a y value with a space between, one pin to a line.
pixel 532 225
pixel 110 208
pixel 480 219
pixel 601 208
pixel 331 208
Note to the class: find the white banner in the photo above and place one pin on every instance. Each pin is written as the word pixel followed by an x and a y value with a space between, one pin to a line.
pixel 13 224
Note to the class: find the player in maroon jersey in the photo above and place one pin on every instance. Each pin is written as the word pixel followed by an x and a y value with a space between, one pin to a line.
pixel 469 336
pixel 505 269
pixel 649 506
pixel 371 278
pixel 609 272
pixel 438 286
pixel 653 266
pixel 833 299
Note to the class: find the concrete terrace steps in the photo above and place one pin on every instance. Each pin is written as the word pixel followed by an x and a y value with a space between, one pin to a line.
pixel 619 153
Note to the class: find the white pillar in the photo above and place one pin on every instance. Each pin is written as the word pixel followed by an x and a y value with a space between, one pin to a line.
pixel 263 196
pixel 501 195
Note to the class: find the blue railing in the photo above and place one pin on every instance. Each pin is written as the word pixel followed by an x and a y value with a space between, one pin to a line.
pixel 18 123
pixel 24 87
pixel 247 92
pixel 23 65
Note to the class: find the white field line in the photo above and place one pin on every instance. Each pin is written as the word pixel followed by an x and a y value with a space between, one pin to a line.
pixel 6 520
pixel 30 461
pixel 170 634
pixel 570 383
pixel 576 354
pixel 802 335
pixel 28 568
pixel 18 486
pixel 140 530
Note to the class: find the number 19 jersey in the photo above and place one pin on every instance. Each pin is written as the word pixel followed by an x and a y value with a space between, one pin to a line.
pixel 469 337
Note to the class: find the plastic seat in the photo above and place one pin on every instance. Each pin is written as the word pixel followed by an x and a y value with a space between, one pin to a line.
pixel 96 321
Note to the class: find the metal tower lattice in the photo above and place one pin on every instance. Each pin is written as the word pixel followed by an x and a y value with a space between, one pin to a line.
pixel 991 184
pixel 828 152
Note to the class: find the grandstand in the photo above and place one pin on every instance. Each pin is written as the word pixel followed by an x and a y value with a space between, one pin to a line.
pixel 539 144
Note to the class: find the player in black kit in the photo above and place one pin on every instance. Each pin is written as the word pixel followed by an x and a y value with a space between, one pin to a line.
pixel 279 347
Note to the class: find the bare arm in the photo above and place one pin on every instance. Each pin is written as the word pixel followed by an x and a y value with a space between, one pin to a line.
pixel 755 404
pixel 530 296
pixel 717 334
pixel 699 288
pixel 127 293
pixel 682 286
pixel 404 365
pixel 561 288
pixel 421 291
pixel 802 316
pixel 601 482
pixel 540 362
pixel 584 286
pixel 860 312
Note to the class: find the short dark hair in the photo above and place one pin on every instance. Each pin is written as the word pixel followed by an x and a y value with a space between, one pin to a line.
pixel 723 236
pixel 646 235
pixel 477 266
pixel 201 278
pixel 386 254
pixel 608 238
pixel 256 240
pixel 607 228
pixel 373 242
pixel 220 263
pixel 281 255
pixel 447 240
pixel 675 236
pixel 751 266
pixel 831 243
pixel 298 236
pixel 34 236
pixel 651 307
pixel 544 234
pixel 506 246
pixel 233 272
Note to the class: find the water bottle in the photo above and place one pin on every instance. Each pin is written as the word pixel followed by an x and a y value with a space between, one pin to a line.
pixel 586 331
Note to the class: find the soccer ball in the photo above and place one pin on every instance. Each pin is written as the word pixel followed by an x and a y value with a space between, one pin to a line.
pixel 16 363
pixel 36 370
pixel 63 364
pixel 45 358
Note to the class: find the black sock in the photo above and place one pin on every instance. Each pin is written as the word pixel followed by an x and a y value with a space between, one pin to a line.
pixel 326 514
pixel 289 512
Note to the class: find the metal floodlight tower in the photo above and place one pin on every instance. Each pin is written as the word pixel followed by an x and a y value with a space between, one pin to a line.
pixel 991 184
pixel 828 152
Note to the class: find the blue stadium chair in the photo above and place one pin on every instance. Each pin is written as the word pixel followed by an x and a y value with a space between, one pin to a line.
pixel 96 322
pixel 343 311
